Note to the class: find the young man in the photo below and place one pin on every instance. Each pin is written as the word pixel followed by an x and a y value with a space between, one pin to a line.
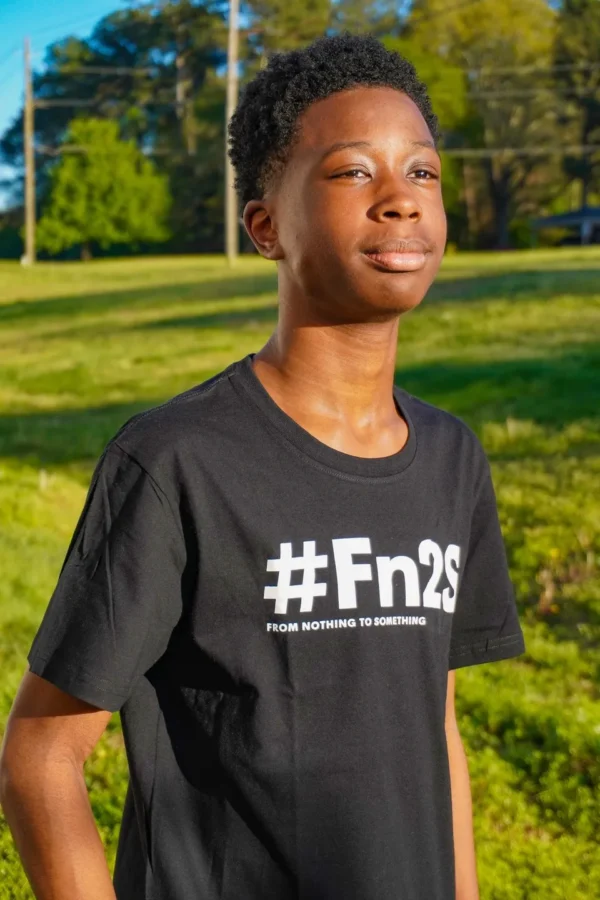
pixel 276 573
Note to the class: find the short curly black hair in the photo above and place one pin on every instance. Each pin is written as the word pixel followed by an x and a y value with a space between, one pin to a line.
pixel 263 128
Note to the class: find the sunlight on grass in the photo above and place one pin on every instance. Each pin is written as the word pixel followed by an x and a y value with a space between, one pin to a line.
pixel 510 342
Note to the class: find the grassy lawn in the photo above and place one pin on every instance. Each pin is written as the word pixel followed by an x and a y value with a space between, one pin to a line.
pixel 509 342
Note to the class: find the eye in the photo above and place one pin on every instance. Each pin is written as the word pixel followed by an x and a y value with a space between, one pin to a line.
pixel 421 172
pixel 350 172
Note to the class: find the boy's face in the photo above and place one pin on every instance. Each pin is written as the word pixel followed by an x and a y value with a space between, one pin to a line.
pixel 328 208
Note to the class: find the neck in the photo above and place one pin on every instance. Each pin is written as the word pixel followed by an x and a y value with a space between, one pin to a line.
pixel 342 373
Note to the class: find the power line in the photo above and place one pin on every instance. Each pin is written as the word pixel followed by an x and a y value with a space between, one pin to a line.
pixel 10 55
pixel 148 70
pixel 454 151
pixel 522 151
pixel 490 95
pixel 72 23
pixel 99 101
pixel 7 78
pixel 46 104
pixel 534 67
pixel 532 92
pixel 434 16
pixel 42 103
pixel 6 59
pixel 82 148
pixel 108 70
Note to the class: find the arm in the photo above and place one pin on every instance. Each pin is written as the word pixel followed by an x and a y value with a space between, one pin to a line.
pixel 464 842
pixel 49 735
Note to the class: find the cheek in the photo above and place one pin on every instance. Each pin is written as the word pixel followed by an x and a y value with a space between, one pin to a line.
pixel 336 232
pixel 438 214
pixel 325 232
pixel 320 259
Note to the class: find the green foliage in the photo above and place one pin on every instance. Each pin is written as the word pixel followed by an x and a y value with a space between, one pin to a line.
pixel 509 342
pixel 576 52
pixel 470 55
pixel 103 190
pixel 287 25
pixel 446 81
pixel 490 42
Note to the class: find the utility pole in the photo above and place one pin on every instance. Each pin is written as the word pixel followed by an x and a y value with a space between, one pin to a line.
pixel 183 99
pixel 28 131
pixel 231 213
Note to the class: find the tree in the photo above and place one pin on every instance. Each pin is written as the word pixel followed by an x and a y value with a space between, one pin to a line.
pixel 578 79
pixel 285 25
pixel 153 69
pixel 158 70
pixel 492 41
pixel 447 89
pixel 103 190
pixel 159 56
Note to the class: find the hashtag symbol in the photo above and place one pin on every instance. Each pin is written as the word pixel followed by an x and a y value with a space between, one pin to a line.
pixel 306 592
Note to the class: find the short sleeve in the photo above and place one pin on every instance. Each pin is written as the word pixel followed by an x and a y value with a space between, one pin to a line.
pixel 119 591
pixel 485 624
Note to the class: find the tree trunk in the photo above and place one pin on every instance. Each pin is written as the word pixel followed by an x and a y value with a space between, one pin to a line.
pixel 470 202
pixel 502 222
pixel 86 253
pixel 500 193
pixel 585 187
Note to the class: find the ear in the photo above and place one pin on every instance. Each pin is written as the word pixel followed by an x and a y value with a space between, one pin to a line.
pixel 261 229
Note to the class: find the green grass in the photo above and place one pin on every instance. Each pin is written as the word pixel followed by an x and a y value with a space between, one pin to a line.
pixel 510 342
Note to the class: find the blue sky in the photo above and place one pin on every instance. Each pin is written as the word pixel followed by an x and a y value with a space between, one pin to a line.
pixel 44 21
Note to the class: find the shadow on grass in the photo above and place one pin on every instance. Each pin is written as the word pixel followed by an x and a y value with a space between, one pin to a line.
pixel 203 289
pixel 528 284
pixel 532 284
pixel 61 437
pixel 549 390
pixel 235 318
pixel 552 391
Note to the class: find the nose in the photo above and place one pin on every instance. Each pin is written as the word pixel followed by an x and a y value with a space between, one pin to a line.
pixel 397 201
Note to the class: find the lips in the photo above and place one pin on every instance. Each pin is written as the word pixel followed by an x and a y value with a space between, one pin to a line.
pixel 399 262
pixel 398 255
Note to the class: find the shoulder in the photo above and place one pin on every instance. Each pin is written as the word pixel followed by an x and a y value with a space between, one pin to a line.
pixel 161 439
pixel 445 433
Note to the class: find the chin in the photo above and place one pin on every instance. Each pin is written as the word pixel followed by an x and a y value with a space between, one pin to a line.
pixel 394 301
pixel 397 305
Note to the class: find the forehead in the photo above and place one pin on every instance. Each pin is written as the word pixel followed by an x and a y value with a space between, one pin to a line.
pixel 381 115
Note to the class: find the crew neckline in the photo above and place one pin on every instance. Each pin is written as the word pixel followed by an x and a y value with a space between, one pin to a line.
pixel 312 447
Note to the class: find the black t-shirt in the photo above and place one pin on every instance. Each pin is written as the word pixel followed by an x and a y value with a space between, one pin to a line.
pixel 275 620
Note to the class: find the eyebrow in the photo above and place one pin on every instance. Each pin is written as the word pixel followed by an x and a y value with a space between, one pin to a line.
pixel 342 145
